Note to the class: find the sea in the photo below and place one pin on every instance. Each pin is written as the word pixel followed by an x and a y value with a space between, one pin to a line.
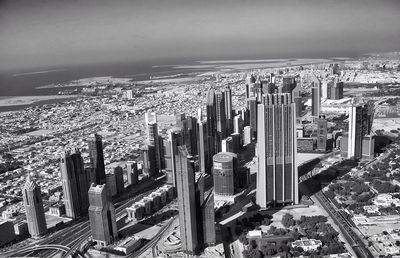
pixel 25 82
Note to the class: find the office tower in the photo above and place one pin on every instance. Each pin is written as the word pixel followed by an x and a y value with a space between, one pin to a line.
pixel 132 173
pixel 228 110
pixel 236 143
pixel 102 218
pixel 238 124
pixel 277 179
pixel 7 232
pixel 208 220
pixel 322 132
pixel 75 185
pixel 250 80
pixel 161 148
pixel 258 90
pixel 34 208
pixel 111 184
pixel 91 175
pixel 368 146
pixel 247 135
pixel 299 106
pixel 119 179
pixel 315 98
pixel 186 200
pixel 288 84
pixel 326 89
pixel 97 159
pixel 149 160
pixel 204 162
pixel 192 135
pixel 252 104
pixel 360 120
pixel 221 117
pixel 337 89
pixel 227 145
pixel 224 171
pixel 212 123
pixel 174 140
pixel 153 140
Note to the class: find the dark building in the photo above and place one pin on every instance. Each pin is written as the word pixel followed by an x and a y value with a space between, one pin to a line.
pixel 204 162
pixel 322 132
pixel 288 84
pixel 299 106
pixel 212 123
pixel 75 185
pixel 221 118
pixel 174 140
pixel 119 179
pixel 97 159
pixel 252 105
pixel 315 98
pixel 132 173
pixel 277 178
pixel 34 210
pixel 337 89
pixel 149 160
pixel 191 142
pixel 186 201
pixel 208 219
pixel 224 171
pixel 153 141
pixel 102 218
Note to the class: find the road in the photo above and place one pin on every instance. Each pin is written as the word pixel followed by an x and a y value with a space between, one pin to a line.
pixel 76 234
pixel 153 241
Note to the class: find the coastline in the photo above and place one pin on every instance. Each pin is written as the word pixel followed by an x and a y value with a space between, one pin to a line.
pixel 11 101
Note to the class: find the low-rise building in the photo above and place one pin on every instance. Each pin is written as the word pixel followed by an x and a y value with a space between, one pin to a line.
pixel 129 245
pixel 307 244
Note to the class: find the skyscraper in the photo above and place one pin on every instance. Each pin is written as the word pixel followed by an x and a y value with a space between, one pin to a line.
pixel 224 173
pixel 221 118
pixel 75 185
pixel 119 179
pixel 149 160
pixel 97 159
pixel 153 140
pixel 322 131
pixel 277 178
pixel 132 173
pixel 228 110
pixel 202 144
pixel 315 98
pixel 171 149
pixel 359 126
pixel 212 122
pixel 186 201
pixel 102 216
pixel 208 219
pixel 252 104
pixel 34 208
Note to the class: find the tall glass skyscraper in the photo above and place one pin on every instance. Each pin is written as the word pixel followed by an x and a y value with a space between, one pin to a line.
pixel 97 159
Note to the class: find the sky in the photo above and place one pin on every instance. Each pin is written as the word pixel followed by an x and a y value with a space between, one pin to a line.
pixel 45 33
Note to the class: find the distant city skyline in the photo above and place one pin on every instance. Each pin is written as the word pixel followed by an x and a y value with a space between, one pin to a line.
pixel 59 33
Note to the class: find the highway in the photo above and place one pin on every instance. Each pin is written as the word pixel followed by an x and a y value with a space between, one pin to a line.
pixel 76 234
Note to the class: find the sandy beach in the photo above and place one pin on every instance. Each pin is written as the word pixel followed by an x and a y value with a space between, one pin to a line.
pixel 27 100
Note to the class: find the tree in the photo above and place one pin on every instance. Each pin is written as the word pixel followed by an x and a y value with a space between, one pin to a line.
pixel 287 220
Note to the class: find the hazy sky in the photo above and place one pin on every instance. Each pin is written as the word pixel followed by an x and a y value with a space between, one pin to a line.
pixel 61 32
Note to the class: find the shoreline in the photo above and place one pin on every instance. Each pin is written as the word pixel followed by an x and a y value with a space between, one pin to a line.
pixel 13 101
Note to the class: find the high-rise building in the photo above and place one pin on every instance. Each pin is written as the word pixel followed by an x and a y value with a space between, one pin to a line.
pixel 132 173
pixel 111 184
pixel 322 132
pixel 315 98
pixel 186 201
pixel 102 218
pixel 221 118
pixel 238 124
pixel 247 135
pixel 252 104
pixel 97 159
pixel 277 178
pixel 212 122
pixel 202 144
pixel 359 126
pixel 149 160
pixel 337 89
pixel 228 109
pixel 288 84
pixel 208 219
pixel 75 184
pixel 34 210
pixel 368 146
pixel 119 179
pixel 171 149
pixel 224 172
pixel 153 140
